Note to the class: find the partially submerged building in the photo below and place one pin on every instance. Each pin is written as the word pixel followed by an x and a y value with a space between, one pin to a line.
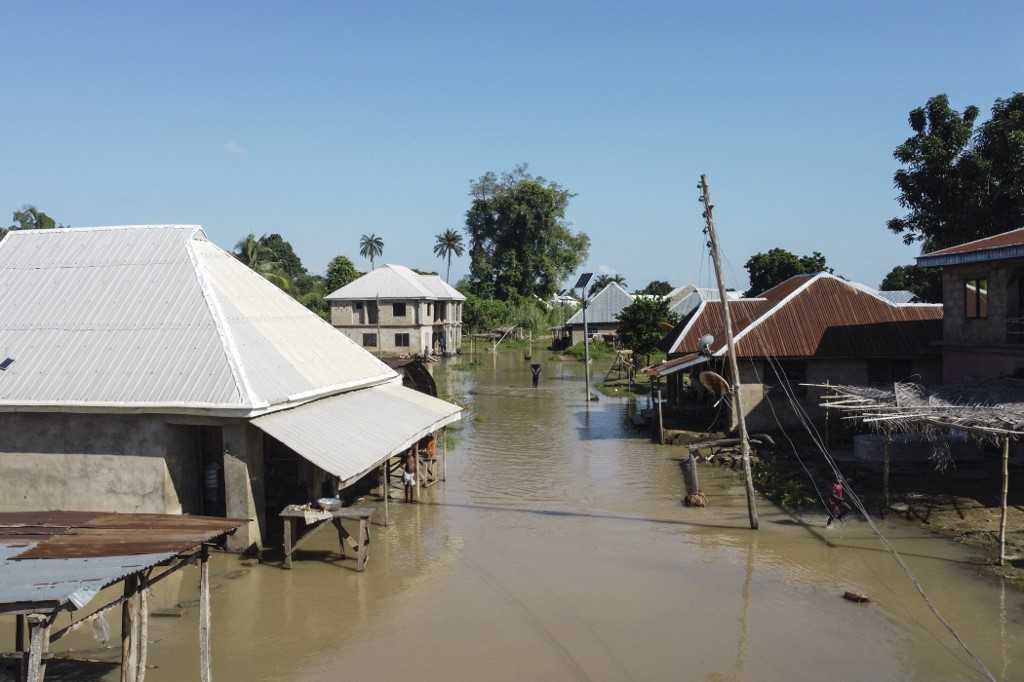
pixel 983 297
pixel 808 329
pixel 145 369
pixel 603 310
pixel 396 311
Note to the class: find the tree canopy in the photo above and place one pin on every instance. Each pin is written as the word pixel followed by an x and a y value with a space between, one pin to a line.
pixel 777 265
pixel 601 281
pixel 657 287
pixel 643 323
pixel 259 257
pixel 371 247
pixel 282 253
pixel 958 182
pixel 30 218
pixel 925 283
pixel 340 271
pixel 519 240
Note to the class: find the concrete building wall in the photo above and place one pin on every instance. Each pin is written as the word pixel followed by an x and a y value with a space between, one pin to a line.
pixel 419 339
pixel 603 329
pixel 418 322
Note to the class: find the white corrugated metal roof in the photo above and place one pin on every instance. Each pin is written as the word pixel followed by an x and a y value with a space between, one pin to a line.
pixel 395 281
pixel 157 317
pixel 604 306
pixel 350 434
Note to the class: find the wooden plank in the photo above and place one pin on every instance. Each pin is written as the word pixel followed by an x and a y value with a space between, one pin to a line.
pixel 386 484
pixel 205 670
pixel 129 615
pixel 444 454
pixel 1002 507
pixel 39 631
pixel 363 548
pixel 143 630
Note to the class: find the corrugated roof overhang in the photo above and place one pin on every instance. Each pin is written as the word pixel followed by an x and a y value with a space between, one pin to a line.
pixel 350 434
pixel 676 364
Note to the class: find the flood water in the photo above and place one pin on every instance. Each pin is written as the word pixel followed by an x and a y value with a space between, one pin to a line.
pixel 559 549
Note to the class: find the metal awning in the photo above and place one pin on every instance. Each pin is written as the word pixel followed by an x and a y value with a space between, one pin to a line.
pixel 676 365
pixel 349 434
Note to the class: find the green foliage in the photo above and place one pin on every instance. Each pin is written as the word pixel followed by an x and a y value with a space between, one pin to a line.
pixel 601 281
pixel 777 265
pixel 260 258
pixel 643 323
pixel 447 243
pixel 486 314
pixel 30 218
pixel 483 314
pixel 340 271
pixel 371 247
pixel 282 253
pixel 520 242
pixel 599 350
pixel 926 283
pixel 784 485
pixel 657 287
pixel 959 183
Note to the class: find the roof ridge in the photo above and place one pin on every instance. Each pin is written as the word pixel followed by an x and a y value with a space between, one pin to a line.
pixel 102 228
pixel 938 252
pixel 778 306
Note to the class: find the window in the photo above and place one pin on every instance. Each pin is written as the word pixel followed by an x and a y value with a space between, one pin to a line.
pixel 430 309
pixel 359 305
pixel 976 299
pixel 371 310
pixel 398 309
pixel 401 340
pixel 369 340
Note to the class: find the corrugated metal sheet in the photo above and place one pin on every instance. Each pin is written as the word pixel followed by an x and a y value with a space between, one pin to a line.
pixel 156 318
pixel 350 434
pixel 676 365
pixel 899 296
pixel 60 557
pixel 821 316
pixel 986 248
pixel 604 306
pixel 395 281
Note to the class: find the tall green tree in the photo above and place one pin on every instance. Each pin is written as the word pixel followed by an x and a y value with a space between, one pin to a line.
pixel 958 182
pixel 282 253
pixel 601 281
pixel 371 247
pixel 642 325
pixel 251 251
pixel 777 265
pixel 340 271
pixel 657 287
pixel 519 240
pixel 30 218
pixel 447 243
pixel 925 283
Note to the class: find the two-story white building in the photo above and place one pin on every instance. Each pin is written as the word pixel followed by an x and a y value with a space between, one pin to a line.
pixel 396 311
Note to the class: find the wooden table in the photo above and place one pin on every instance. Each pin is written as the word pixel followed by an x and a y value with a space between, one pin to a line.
pixel 292 514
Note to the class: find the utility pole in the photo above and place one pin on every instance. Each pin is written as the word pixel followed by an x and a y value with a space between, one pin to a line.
pixel 737 400
pixel 581 284
pixel 380 339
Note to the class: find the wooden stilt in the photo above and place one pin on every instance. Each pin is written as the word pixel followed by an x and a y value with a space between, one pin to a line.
pixel 342 535
pixel 142 638
pixel 287 543
pixel 444 454
pixel 1002 509
pixel 386 484
pixel 661 424
pixel 205 670
pixel 129 618
pixel 416 471
pixel 885 476
pixel 19 646
pixel 38 634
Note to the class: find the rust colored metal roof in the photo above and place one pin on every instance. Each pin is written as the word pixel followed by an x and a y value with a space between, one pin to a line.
pixel 997 247
pixel 675 365
pixel 818 316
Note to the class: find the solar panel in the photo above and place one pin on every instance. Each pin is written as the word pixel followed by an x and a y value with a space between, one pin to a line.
pixel 582 281
pixel 6 363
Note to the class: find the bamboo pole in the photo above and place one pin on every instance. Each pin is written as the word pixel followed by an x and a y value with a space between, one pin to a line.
pixel 444 454
pixel 885 476
pixel 1002 510
pixel 661 424
pixel 205 670
pixel 386 484
pixel 143 629
pixel 129 619
pixel 733 366
pixel 416 471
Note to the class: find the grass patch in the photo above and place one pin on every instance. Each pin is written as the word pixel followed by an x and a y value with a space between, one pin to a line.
pixel 598 351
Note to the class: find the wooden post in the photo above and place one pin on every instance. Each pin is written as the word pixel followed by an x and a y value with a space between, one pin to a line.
pixel 129 619
pixel 386 484
pixel 380 339
pixel 143 629
pixel 1002 509
pixel 205 670
pixel 885 475
pixel 287 542
pixel 661 424
pixel 416 471
pixel 730 343
pixel 444 454
pixel 19 646
pixel 38 634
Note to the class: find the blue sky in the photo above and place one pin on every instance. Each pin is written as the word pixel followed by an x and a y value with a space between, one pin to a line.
pixel 323 121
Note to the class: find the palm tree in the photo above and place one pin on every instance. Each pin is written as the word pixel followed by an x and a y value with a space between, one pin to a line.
pixel 601 281
pixel 445 244
pixel 257 256
pixel 371 246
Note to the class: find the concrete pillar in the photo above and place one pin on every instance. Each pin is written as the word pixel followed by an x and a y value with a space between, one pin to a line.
pixel 243 483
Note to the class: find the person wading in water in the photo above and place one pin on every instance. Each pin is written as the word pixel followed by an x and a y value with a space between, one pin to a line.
pixel 409 475
pixel 838 507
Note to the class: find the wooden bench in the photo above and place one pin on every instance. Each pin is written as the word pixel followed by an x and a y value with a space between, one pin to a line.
pixel 316 518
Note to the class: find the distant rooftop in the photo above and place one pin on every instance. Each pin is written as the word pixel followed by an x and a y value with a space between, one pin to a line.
pixel 396 282
pixel 997 247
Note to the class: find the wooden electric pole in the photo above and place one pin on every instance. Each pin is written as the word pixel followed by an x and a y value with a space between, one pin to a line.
pixel 734 369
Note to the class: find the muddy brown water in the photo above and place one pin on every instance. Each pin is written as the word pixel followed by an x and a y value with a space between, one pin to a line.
pixel 558 550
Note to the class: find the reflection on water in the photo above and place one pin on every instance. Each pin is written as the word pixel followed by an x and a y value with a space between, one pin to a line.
pixel 558 549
